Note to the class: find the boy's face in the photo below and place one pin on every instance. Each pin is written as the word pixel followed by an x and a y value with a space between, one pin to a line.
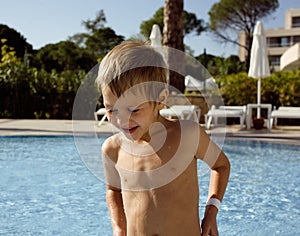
pixel 132 113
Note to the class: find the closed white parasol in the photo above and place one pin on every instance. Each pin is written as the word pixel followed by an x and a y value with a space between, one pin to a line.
pixel 259 63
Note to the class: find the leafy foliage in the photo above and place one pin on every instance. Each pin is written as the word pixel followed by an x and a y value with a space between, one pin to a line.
pixel 229 17
pixel 31 93
pixel 46 88
pixel 61 56
pixel 101 42
pixel 158 18
pixel 99 39
pixel 280 89
pixel 8 55
pixel 97 23
pixel 239 15
pixel 81 51
pixel 14 40
pixel 190 22
pixel 26 92
pixel 219 66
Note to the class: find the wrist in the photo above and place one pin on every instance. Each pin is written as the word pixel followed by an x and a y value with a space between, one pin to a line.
pixel 213 202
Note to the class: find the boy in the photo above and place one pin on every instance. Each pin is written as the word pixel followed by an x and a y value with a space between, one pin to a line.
pixel 151 165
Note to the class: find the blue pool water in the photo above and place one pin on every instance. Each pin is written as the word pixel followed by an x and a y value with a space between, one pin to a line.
pixel 45 189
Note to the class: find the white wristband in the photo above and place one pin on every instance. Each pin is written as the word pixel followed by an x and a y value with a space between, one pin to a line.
pixel 214 201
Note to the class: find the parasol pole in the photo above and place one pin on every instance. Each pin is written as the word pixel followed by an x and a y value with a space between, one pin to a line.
pixel 258 97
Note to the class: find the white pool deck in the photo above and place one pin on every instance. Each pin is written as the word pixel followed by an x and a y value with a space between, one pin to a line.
pixel 12 127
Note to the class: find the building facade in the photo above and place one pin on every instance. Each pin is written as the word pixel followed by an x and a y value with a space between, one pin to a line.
pixel 279 40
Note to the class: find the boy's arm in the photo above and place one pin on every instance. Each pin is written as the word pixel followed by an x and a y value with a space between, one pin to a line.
pixel 115 206
pixel 113 190
pixel 209 152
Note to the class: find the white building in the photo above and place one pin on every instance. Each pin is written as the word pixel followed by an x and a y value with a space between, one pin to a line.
pixel 283 43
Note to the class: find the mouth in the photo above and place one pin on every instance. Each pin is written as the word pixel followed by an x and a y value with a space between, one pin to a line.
pixel 130 130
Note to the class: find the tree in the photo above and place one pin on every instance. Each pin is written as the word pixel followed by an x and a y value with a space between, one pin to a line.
pixel 190 23
pixel 99 39
pixel 229 65
pixel 91 26
pixel 81 51
pixel 173 38
pixel 220 66
pixel 61 56
pixel 15 40
pixel 158 18
pixel 97 23
pixel 229 17
pixel 101 42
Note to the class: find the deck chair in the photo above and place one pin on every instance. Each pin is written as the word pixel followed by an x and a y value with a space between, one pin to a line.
pixel 284 113
pixel 183 112
pixel 225 111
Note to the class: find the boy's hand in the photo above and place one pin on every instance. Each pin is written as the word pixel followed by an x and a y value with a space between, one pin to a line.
pixel 209 222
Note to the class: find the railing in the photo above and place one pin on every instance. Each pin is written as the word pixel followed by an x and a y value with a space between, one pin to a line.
pixel 296 25
pixel 275 63
pixel 278 45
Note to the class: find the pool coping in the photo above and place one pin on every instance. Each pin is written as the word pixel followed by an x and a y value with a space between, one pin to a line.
pixel 28 127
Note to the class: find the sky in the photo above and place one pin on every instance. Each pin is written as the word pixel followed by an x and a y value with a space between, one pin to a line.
pixel 43 22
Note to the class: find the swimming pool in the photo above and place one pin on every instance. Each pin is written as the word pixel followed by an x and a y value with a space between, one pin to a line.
pixel 47 190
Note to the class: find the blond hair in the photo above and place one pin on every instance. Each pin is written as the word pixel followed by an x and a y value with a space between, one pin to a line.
pixel 131 63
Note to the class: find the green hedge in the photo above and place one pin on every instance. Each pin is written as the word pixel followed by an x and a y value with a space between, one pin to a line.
pixel 26 92
pixel 30 93
pixel 280 89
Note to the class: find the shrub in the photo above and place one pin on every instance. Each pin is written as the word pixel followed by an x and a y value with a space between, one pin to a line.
pixel 280 89
pixel 30 93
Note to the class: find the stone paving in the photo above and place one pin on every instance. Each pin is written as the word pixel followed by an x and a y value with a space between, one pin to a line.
pixel 11 127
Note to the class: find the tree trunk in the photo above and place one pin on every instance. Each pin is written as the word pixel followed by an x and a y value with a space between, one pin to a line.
pixel 249 40
pixel 173 38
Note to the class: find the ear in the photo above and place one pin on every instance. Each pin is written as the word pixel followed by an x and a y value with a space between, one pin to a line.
pixel 162 98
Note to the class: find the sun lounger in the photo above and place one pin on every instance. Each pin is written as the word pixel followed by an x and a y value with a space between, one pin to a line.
pixel 284 113
pixel 183 112
pixel 100 112
pixel 225 112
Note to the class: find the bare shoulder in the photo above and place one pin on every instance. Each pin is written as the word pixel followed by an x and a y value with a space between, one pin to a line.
pixel 180 124
pixel 111 146
pixel 190 127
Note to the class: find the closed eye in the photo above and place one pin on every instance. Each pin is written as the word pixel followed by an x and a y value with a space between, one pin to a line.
pixel 134 110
